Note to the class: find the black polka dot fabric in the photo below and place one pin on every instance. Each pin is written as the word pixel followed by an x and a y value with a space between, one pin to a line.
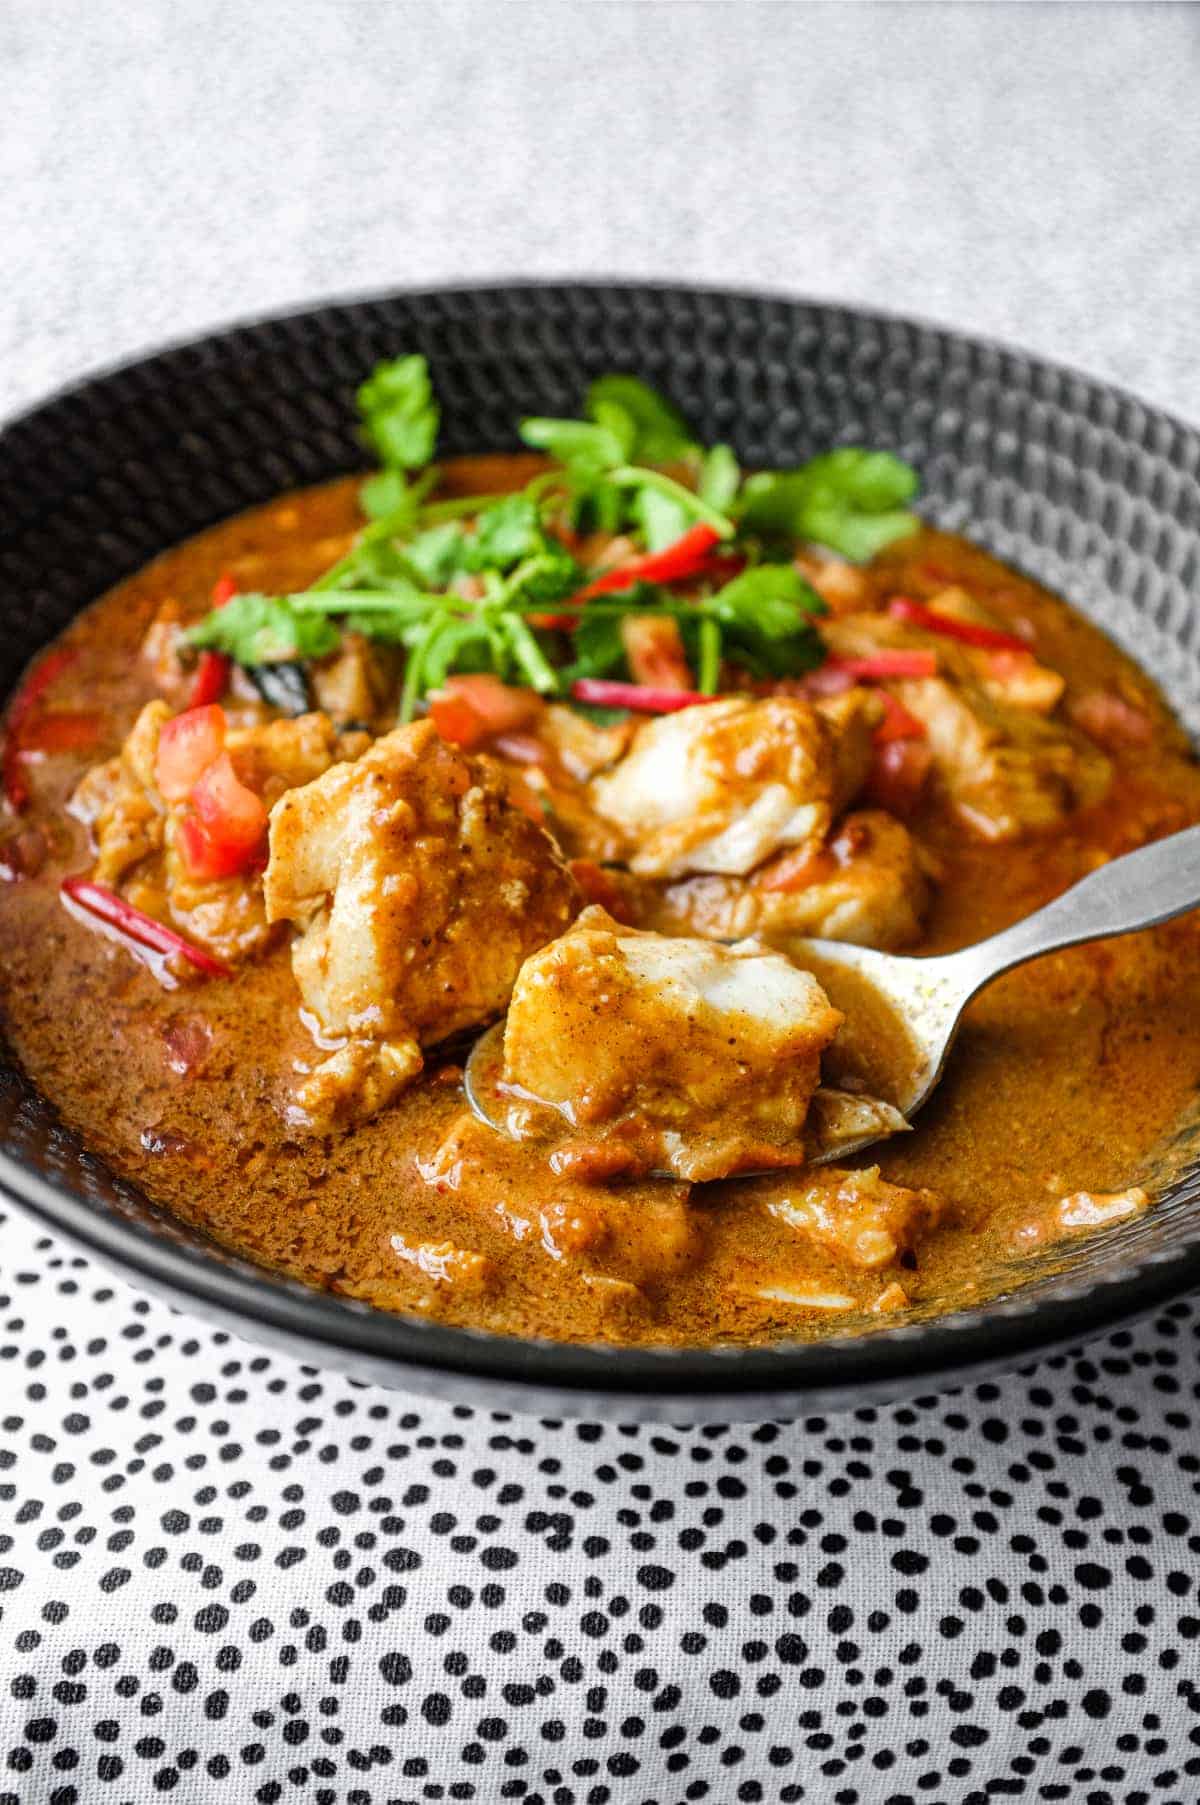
pixel 233 1578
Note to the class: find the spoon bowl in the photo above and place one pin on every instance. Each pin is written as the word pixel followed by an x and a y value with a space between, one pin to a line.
pixel 929 996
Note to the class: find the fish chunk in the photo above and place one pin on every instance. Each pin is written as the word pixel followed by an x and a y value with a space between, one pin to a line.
pixel 1006 771
pixel 1002 761
pixel 869 885
pixel 419 890
pixel 691 1057
pixel 858 1217
pixel 721 786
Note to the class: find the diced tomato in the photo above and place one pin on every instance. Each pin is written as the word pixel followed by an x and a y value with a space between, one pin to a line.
pixel 898 775
pixel 603 694
pixel 223 590
pixel 187 746
pixel 204 859
pixel 469 710
pixel 456 720
pixel 654 650
pixel 797 870
pixel 226 833
pixel 898 722
pixel 967 632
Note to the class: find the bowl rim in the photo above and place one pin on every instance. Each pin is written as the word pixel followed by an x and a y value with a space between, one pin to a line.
pixel 673 1383
pixel 336 299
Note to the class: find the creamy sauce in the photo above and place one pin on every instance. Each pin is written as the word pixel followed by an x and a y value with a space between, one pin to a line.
pixel 1066 1075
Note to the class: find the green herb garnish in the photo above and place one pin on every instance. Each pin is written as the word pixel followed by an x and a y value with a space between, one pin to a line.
pixel 482 583
pixel 850 500
pixel 264 629
pixel 399 414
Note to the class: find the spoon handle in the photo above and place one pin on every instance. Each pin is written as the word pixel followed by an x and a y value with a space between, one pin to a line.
pixel 1137 891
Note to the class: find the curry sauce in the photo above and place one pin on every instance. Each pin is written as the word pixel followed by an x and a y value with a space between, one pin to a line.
pixel 1066 1077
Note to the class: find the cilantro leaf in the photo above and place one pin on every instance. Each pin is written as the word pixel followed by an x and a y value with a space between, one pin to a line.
pixel 264 629
pixel 849 500
pixel 387 496
pixel 437 554
pixel 766 617
pixel 587 451
pixel 505 533
pixel 399 414
pixel 617 421
pixel 660 433
pixel 771 599
pixel 578 444
pixel 661 518
pixel 857 536
pixel 598 646
pixel 719 478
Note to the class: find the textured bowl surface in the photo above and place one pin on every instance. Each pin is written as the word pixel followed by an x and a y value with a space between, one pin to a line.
pixel 1076 483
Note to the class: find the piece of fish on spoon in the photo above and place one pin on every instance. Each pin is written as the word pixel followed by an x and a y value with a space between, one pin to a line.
pixel 1146 887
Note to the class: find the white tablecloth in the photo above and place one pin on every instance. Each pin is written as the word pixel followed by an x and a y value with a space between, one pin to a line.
pixel 230 1578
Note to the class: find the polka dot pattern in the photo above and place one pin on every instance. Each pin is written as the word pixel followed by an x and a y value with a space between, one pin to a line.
pixel 233 1577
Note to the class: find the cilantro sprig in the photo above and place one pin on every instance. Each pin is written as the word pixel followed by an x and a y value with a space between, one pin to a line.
pixel 487 583
pixel 762 620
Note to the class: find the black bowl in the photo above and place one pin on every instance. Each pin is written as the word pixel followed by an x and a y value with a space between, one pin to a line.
pixel 1076 483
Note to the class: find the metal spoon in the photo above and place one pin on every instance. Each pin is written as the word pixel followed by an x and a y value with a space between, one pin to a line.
pixel 929 995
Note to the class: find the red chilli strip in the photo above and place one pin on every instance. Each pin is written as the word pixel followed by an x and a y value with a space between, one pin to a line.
pixel 968 633
pixel 209 683
pixel 685 558
pixel 16 789
pixel 884 667
pixel 107 906
pixel 212 672
pixel 638 696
